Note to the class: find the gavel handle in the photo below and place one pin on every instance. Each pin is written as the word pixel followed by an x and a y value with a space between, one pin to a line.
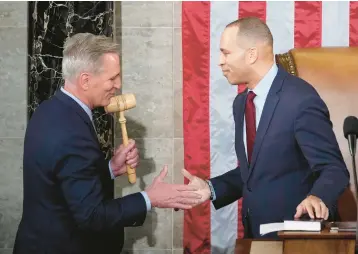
pixel 130 171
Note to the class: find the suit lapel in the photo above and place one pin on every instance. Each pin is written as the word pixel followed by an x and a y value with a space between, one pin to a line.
pixel 78 109
pixel 240 107
pixel 267 113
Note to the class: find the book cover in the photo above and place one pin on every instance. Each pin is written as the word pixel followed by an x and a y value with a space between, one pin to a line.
pixel 304 224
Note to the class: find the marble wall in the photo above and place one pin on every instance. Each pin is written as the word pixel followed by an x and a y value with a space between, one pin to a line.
pixel 149 33
pixel 31 40
pixel 150 37
pixel 13 76
pixel 50 23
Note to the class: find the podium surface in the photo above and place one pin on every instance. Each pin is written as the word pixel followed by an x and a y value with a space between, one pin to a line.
pixel 318 242
pixel 292 242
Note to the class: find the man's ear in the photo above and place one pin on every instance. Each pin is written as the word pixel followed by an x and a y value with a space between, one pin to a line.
pixel 251 55
pixel 84 80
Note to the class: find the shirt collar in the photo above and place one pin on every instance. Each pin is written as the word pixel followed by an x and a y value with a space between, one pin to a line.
pixel 263 87
pixel 84 106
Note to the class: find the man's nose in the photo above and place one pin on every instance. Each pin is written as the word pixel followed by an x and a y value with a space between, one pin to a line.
pixel 221 59
pixel 117 85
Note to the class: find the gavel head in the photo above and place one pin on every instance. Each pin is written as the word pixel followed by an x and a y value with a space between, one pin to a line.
pixel 121 103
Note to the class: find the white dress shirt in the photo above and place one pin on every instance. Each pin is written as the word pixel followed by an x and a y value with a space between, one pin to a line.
pixel 261 90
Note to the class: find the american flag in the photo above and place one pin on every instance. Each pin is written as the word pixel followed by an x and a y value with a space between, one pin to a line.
pixel 207 96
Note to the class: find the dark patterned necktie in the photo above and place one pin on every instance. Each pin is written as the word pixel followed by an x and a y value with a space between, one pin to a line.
pixel 250 120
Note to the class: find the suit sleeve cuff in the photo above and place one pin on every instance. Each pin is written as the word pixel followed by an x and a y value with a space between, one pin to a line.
pixel 213 195
pixel 110 170
pixel 147 200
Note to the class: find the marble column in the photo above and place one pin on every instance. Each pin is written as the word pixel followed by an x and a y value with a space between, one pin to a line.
pixel 13 111
pixel 150 36
pixel 50 23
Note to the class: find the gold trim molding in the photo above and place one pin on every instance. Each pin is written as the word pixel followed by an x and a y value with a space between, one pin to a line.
pixel 287 62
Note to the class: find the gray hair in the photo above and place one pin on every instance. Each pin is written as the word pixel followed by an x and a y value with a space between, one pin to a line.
pixel 83 52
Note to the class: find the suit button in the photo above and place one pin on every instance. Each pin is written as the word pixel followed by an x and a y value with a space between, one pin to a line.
pixel 249 189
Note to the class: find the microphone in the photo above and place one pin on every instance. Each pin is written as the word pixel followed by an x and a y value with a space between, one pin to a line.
pixel 350 130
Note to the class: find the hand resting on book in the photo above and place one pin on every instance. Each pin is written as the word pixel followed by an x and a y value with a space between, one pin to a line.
pixel 314 206
pixel 310 215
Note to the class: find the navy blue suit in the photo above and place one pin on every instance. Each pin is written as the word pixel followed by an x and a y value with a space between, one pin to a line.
pixel 295 154
pixel 68 207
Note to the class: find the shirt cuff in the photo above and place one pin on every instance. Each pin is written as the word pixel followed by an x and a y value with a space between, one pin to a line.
pixel 147 200
pixel 212 190
pixel 110 170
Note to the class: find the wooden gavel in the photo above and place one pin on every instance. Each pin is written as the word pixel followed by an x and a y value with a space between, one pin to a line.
pixel 120 103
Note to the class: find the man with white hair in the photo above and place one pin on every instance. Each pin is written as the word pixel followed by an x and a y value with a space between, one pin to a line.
pixel 67 205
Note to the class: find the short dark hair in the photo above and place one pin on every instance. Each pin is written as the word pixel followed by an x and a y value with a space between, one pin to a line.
pixel 253 28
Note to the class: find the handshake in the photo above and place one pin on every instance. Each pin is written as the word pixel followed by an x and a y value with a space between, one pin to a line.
pixel 161 194
pixel 178 196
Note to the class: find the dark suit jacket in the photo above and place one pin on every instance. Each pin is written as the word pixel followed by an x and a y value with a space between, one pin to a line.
pixel 295 155
pixel 67 205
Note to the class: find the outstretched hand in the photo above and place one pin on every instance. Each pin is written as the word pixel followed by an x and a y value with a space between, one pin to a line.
pixel 165 195
pixel 203 187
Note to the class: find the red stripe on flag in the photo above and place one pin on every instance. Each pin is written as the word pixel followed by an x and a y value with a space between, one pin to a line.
pixel 253 9
pixel 308 24
pixel 248 9
pixel 353 24
pixel 196 74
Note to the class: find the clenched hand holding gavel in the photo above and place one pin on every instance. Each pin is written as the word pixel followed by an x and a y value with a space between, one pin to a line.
pixel 120 103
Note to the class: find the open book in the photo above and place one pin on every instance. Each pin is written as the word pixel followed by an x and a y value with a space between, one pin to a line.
pixel 314 225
